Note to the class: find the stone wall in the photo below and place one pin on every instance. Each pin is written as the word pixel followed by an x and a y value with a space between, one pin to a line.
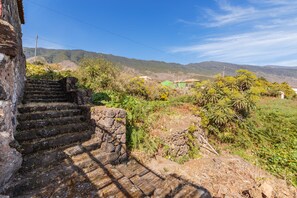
pixel 78 96
pixel 181 143
pixel 12 76
pixel 109 125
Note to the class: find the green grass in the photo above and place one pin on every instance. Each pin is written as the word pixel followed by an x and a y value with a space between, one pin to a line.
pixel 272 138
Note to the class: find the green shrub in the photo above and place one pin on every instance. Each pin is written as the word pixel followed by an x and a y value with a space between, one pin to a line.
pixel 265 135
pixel 100 98
pixel 97 74
pixel 45 72
pixel 274 89
pixel 148 90
pixel 137 87
pixel 226 102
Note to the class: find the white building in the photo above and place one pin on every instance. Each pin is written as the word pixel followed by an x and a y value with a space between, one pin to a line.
pixel 145 77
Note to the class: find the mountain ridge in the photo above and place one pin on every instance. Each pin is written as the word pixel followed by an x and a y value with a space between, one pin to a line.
pixel 152 67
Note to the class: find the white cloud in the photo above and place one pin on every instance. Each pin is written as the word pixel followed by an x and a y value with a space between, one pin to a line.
pixel 274 2
pixel 268 9
pixel 231 14
pixel 253 48
pixel 268 34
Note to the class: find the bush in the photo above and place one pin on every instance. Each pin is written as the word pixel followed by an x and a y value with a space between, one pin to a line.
pixel 274 89
pixel 97 74
pixel 226 102
pixel 100 98
pixel 137 87
pixel 45 72
pixel 101 75
pixel 148 90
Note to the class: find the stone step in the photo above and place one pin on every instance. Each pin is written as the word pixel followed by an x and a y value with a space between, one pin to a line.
pixel 43 92
pixel 47 89
pixel 87 163
pixel 38 179
pixel 54 142
pixel 43 100
pixel 45 97
pixel 38 124
pixel 43 89
pixel 40 115
pixel 29 85
pixel 93 158
pixel 92 172
pixel 34 81
pixel 97 182
pixel 55 156
pixel 32 134
pixel 28 108
pixel 64 188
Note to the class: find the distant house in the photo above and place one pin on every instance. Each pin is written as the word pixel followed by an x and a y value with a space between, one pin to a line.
pixel 191 80
pixel 168 83
pixel 145 77
pixel 186 83
pixel 180 83
pixel 295 89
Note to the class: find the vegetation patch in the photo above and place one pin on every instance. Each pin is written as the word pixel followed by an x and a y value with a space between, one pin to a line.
pixel 273 137
pixel 240 112
pixel 48 72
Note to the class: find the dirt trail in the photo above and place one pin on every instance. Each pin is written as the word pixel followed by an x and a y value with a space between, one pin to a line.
pixel 226 176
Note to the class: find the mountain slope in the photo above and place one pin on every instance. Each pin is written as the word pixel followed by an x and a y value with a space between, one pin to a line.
pixel 210 68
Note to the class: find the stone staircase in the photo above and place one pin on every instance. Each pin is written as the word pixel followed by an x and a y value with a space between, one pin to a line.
pixel 44 91
pixel 62 155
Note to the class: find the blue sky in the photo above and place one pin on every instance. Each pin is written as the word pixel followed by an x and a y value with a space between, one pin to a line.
pixel 259 32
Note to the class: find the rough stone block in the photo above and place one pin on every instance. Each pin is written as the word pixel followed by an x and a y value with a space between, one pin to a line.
pixel 107 122
pixel 110 124
pixel 123 139
pixel 3 95
pixel 110 147
pixel 110 114
pixel 8 39
pixel 10 161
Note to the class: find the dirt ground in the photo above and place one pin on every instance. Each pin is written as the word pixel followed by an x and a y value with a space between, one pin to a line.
pixel 224 176
pixel 173 119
